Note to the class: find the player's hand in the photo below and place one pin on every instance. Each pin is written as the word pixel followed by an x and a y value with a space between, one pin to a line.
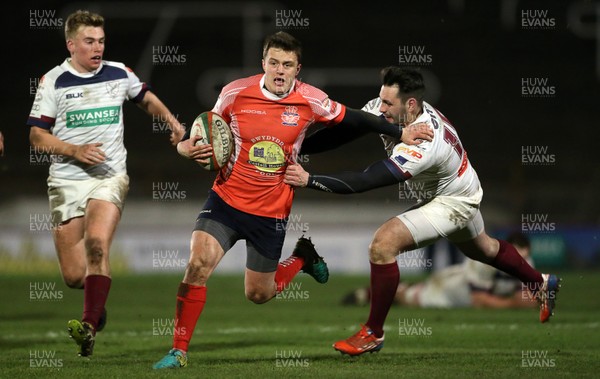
pixel 90 153
pixel 189 150
pixel 295 176
pixel 177 133
pixel 415 134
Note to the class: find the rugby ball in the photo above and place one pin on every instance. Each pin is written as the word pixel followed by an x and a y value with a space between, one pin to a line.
pixel 214 131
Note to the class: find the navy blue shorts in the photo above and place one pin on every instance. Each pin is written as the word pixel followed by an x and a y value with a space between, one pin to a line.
pixel 265 234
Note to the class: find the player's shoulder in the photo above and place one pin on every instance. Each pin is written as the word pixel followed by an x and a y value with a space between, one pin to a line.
pixel 373 106
pixel 53 74
pixel 113 66
pixel 309 91
pixel 238 85
pixel 116 71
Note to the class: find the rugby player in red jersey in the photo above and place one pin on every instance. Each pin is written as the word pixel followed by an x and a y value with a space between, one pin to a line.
pixel 269 115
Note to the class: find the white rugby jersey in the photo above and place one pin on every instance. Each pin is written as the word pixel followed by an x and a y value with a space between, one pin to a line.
pixel 436 168
pixel 82 108
pixel 483 277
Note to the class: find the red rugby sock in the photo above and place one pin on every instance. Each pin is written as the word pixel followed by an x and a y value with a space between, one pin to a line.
pixel 287 270
pixel 190 302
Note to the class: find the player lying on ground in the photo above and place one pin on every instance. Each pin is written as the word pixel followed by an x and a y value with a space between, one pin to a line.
pixel 466 284
pixel 440 168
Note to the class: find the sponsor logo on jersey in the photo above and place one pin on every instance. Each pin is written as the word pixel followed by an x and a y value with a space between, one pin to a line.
pixel 93 117
pixel 290 116
pixel 74 95
pixel 266 156
pixel 253 111
pixel 408 151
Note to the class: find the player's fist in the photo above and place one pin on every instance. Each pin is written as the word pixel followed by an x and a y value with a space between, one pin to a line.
pixel 295 176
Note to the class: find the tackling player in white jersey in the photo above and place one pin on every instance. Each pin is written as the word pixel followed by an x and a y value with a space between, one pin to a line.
pixel 451 210
pixel 77 117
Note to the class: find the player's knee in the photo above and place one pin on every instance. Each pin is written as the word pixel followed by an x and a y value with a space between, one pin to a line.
pixel 258 296
pixel 73 281
pixel 379 251
pixel 488 249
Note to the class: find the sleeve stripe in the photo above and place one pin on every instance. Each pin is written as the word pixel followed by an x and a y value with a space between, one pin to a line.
pixel 43 122
pixel 396 170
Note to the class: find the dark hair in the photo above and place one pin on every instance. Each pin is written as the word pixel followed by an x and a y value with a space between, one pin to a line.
pixel 284 41
pixel 519 239
pixel 409 82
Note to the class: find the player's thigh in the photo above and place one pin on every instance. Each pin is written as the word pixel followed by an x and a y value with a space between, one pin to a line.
pixel 261 265
pixel 422 225
pixel 70 250
pixel 476 243
pixel 392 238
pixel 205 254
pixel 456 219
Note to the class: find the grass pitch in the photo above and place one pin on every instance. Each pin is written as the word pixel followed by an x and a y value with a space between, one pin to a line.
pixel 291 336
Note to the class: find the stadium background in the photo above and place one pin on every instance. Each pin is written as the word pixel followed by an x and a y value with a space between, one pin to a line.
pixel 535 155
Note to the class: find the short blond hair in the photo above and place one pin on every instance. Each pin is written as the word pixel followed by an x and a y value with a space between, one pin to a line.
pixel 81 18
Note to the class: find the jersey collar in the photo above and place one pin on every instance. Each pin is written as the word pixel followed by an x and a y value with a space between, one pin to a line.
pixel 67 65
pixel 271 96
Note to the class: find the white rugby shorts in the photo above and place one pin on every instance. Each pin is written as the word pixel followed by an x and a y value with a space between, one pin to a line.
pixel 452 217
pixel 69 198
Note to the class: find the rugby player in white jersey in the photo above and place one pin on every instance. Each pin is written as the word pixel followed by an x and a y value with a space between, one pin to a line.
pixel 77 117
pixel 439 168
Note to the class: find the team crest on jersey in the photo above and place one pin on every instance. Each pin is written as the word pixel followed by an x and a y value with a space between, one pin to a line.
pixel 112 88
pixel 290 116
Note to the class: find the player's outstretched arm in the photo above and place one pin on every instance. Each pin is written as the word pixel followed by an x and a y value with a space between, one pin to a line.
pixel 482 299
pixel 45 142
pixel 152 105
pixel 411 136
pixel 357 123
pixel 375 176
